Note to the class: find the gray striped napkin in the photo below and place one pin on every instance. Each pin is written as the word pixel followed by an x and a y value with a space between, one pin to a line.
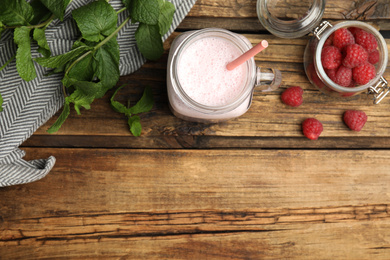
pixel 28 105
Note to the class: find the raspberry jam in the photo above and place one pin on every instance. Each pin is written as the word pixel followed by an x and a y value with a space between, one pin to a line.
pixel 360 67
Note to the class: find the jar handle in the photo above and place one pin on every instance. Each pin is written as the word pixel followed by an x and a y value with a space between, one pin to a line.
pixel 380 90
pixel 268 79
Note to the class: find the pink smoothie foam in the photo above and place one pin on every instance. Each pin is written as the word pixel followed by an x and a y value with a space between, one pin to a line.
pixel 203 75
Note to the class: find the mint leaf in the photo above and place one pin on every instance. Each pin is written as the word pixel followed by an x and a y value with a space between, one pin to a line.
pixel 79 99
pixel 57 7
pixel 128 4
pixel 107 63
pixel 1 103
pixel 90 89
pixel 41 13
pixel 61 119
pixel 61 60
pixel 134 123
pixel 2 28
pixel 40 37
pixel 118 107
pixel 24 62
pixel 84 69
pixel 16 12
pixel 145 11
pixel 149 41
pixel 145 104
pixel 96 20
pixel 167 9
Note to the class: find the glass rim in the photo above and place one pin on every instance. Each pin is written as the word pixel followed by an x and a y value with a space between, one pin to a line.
pixel 293 28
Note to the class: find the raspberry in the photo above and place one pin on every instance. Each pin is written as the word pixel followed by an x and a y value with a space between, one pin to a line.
pixel 342 37
pixel 331 74
pixel 330 57
pixel 312 128
pixel 292 96
pixel 312 75
pixel 352 84
pixel 343 76
pixel 355 119
pixel 329 41
pixel 363 73
pixel 355 55
pixel 366 40
pixel 350 94
pixel 354 30
pixel 373 57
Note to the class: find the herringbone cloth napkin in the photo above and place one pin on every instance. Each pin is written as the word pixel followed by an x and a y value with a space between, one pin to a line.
pixel 28 105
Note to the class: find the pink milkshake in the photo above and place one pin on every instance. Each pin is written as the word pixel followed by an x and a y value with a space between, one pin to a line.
pixel 203 75
pixel 200 88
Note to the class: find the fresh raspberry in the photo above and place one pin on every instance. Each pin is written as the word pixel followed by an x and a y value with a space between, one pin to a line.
pixel 366 40
pixel 331 57
pixel 292 96
pixel 329 41
pixel 355 119
pixel 313 76
pixel 373 57
pixel 350 94
pixel 355 55
pixel 352 84
pixel 331 74
pixel 312 128
pixel 363 73
pixel 354 30
pixel 342 37
pixel 343 76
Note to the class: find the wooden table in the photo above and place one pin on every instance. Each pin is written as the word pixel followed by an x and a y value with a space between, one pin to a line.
pixel 250 188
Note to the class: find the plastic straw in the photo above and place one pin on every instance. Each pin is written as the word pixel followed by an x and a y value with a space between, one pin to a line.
pixel 247 55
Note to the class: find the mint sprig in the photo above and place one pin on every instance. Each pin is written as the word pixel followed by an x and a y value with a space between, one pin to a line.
pixel 24 62
pixel 145 104
pixel 23 17
pixel 16 12
pixel 91 68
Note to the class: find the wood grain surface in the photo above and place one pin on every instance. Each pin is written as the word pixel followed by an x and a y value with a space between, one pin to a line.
pixel 249 188
pixel 265 123
pixel 241 15
pixel 188 204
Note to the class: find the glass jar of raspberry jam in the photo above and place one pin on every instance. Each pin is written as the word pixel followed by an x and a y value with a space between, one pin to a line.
pixel 307 19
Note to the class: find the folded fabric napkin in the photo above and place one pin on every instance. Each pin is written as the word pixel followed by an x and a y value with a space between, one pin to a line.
pixel 28 105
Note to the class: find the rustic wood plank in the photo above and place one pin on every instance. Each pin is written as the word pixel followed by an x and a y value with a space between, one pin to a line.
pixel 266 119
pixel 253 25
pixel 335 9
pixel 177 204
pixel 219 13
pixel 120 180
pixel 130 236
pixel 206 142
pixel 363 240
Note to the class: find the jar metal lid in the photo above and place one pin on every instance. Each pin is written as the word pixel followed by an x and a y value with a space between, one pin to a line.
pixel 271 16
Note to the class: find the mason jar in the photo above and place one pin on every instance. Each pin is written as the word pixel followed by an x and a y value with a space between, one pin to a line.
pixel 185 105
pixel 307 18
